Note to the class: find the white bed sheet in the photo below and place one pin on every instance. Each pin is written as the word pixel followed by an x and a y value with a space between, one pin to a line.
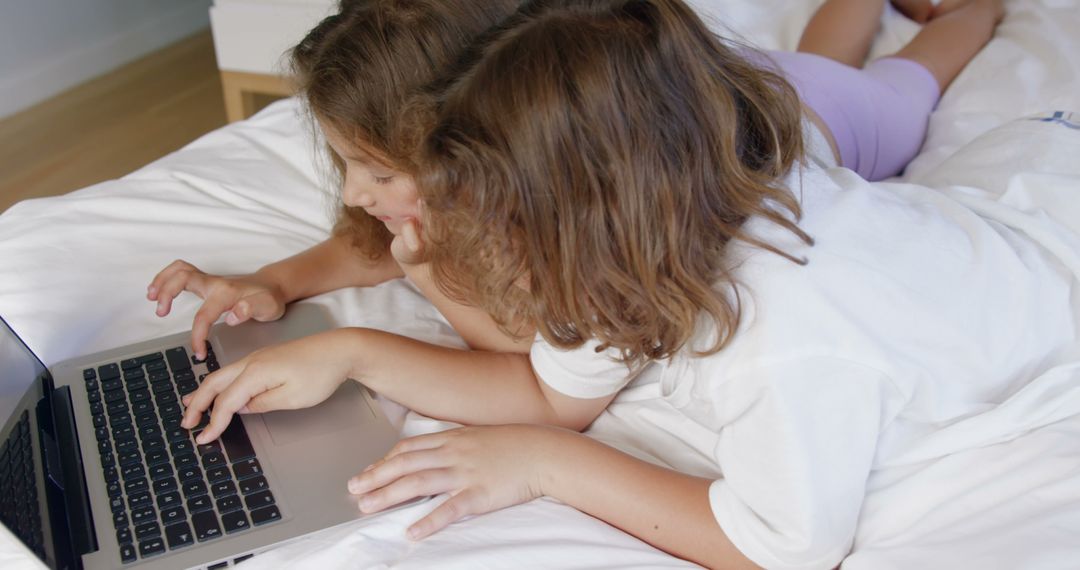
pixel 75 270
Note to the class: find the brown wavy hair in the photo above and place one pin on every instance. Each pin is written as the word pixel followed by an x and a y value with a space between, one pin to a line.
pixel 357 67
pixel 588 166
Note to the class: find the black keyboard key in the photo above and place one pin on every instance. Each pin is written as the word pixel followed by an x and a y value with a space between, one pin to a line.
pixel 162 471
pixel 159 376
pixel 139 500
pixel 120 519
pixel 150 358
pixel 152 445
pixel 89 374
pixel 165 485
pixel 113 384
pixel 136 485
pixel 132 471
pixel 157 457
pixel 175 435
pixel 139 396
pixel 130 363
pixel 184 461
pixel 116 408
pixel 213 459
pixel 218 474
pixel 186 387
pixel 149 431
pixel 120 420
pixel 116 504
pixel 173 515
pixel 206 525
pixel 142 407
pixel 182 447
pixel 199 503
pixel 101 433
pixel 179 535
pixel 129 457
pixel 178 359
pixel 108 371
pixel 143 515
pixel 229 503
pixel 123 535
pixel 209 447
pixel 146 419
pixel 249 468
pixel 155 366
pixel 113 396
pixel 151 547
pixel 136 384
pixel 127 553
pixel 189 474
pixel 193 488
pixel 223 488
pixel 236 442
pixel 235 521
pixel 253 485
pixel 184 375
pixel 168 500
pixel 265 515
pixel 94 396
pixel 147 530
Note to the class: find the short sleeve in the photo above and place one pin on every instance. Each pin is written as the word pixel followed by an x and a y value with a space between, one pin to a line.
pixel 581 372
pixel 796 460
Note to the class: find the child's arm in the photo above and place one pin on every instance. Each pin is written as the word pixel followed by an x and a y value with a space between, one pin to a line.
pixel 471 387
pixel 262 296
pixel 489 468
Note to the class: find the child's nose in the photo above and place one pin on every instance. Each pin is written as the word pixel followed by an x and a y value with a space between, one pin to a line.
pixel 357 198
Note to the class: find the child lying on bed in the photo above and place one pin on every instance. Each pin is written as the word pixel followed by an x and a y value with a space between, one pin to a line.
pixel 646 203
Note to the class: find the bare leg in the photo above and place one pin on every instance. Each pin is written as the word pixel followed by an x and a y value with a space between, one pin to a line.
pixel 949 41
pixel 842 30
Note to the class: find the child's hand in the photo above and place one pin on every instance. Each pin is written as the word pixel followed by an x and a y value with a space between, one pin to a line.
pixel 296 374
pixel 407 248
pixel 483 469
pixel 244 297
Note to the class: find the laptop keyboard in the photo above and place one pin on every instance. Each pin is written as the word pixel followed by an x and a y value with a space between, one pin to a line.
pixel 165 491
pixel 18 487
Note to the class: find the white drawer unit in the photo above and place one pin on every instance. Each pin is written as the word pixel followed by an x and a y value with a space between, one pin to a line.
pixel 252 38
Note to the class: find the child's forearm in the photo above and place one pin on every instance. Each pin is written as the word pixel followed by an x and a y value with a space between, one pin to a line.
pixel 330 265
pixel 665 508
pixel 475 326
pixel 467 387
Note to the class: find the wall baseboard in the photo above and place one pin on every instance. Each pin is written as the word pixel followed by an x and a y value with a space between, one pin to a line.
pixel 22 90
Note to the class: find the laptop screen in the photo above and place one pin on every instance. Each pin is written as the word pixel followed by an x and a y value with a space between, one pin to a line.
pixel 18 369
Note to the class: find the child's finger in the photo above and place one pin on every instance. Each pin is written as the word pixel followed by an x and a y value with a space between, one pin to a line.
pixel 261 306
pixel 390 470
pixel 201 398
pixel 228 402
pixel 154 288
pixel 411 235
pixel 454 509
pixel 420 484
pixel 205 318
pixel 176 284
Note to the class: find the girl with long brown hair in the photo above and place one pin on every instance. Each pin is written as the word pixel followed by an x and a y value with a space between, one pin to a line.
pixel 635 188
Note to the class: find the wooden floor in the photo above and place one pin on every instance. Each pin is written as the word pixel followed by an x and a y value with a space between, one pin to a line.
pixel 112 125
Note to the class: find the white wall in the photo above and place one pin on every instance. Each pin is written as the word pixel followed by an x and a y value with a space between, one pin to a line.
pixel 47 46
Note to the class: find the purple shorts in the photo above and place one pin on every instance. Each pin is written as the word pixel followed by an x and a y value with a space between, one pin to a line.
pixel 877 115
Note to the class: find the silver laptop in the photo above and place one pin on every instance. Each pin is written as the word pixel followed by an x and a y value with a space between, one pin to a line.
pixel 95 471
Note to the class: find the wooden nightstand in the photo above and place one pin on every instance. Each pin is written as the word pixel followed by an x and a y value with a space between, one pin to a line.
pixel 251 38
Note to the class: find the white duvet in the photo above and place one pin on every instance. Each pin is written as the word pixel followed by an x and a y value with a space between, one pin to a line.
pixel 73 273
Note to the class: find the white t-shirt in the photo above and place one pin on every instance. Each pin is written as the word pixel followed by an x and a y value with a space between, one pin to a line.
pixel 913 318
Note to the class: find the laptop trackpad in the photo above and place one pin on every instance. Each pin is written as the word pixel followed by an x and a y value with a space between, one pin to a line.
pixel 344 409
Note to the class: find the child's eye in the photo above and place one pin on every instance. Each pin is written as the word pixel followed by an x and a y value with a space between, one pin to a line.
pixel 382 179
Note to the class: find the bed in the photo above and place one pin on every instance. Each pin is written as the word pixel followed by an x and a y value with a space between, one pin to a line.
pixel 1003 141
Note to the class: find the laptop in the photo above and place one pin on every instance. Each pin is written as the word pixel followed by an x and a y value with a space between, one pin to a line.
pixel 96 472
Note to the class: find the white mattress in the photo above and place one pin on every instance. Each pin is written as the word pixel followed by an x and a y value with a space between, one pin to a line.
pixel 75 269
